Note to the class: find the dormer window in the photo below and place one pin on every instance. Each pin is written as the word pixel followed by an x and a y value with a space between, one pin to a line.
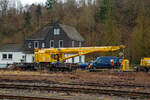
pixel 56 31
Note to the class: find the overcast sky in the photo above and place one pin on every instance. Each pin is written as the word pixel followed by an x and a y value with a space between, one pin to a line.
pixel 24 2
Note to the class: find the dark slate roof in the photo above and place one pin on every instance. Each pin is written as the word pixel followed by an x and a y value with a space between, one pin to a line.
pixel 70 31
pixel 15 48
pixel 11 48
pixel 41 34
pixel 28 51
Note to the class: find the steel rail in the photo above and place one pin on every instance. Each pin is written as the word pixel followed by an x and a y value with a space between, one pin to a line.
pixel 95 90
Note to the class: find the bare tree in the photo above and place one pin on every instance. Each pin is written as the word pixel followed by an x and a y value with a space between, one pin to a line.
pixel 4 6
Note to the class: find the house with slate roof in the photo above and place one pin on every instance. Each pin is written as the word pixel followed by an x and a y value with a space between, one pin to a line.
pixel 53 35
pixel 56 35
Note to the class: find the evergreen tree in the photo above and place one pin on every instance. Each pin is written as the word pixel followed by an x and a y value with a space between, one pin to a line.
pixel 110 32
pixel 140 38
pixel 27 20
pixel 38 14
pixel 101 14
pixel 50 4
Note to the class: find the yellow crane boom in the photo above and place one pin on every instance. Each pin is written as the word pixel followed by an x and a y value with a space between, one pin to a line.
pixel 48 55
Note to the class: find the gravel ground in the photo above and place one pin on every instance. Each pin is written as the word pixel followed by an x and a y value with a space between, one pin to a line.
pixel 133 78
pixel 58 95
pixel 80 77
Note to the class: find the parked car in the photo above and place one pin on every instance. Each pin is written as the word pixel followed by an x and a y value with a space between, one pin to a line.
pixel 106 63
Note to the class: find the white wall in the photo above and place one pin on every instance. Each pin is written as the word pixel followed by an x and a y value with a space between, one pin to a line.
pixel 76 59
pixel 29 58
pixel 16 57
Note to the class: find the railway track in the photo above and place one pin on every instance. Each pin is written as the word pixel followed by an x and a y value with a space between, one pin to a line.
pixel 129 85
pixel 82 89
pixel 26 97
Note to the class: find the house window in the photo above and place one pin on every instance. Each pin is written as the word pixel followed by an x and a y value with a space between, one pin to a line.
pixel 10 56
pixel 7 56
pixel 51 43
pixel 23 57
pixel 36 44
pixel 29 45
pixel 80 44
pixel 56 31
pixel 43 45
pixel 4 56
pixel 60 43
pixel 72 43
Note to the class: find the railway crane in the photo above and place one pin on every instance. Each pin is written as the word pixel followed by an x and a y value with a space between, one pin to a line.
pixel 54 58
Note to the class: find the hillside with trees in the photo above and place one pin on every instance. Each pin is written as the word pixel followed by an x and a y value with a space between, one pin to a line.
pixel 100 22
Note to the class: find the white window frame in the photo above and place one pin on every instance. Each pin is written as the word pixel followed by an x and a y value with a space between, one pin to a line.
pixel 51 43
pixel 29 45
pixel 8 56
pixel 3 57
pixel 62 44
pixel 73 43
pixel 56 31
pixel 80 44
pixel 35 44
pixel 43 44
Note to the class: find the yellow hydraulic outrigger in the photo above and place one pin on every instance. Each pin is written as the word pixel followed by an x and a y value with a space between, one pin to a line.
pixel 48 55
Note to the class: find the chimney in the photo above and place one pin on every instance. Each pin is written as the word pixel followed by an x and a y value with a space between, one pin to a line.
pixel 52 22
